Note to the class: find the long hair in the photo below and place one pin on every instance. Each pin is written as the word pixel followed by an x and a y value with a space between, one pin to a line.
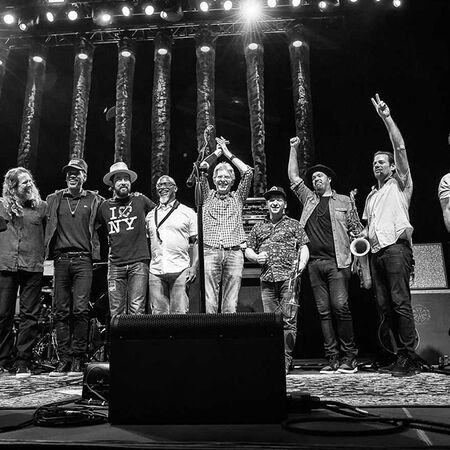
pixel 11 200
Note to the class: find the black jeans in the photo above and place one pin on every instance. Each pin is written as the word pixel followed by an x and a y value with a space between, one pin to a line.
pixel 391 268
pixel 30 284
pixel 73 280
pixel 330 289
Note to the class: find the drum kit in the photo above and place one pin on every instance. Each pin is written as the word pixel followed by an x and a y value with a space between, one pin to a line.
pixel 45 351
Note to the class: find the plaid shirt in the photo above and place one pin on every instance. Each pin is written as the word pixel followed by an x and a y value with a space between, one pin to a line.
pixel 281 241
pixel 222 217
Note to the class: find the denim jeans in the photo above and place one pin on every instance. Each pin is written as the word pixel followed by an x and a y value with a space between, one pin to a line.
pixel 127 288
pixel 168 293
pixel 30 284
pixel 330 289
pixel 223 268
pixel 276 298
pixel 73 280
pixel 390 269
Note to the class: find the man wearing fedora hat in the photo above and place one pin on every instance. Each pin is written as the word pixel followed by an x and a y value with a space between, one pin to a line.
pixel 326 217
pixel 278 245
pixel 72 241
pixel 124 216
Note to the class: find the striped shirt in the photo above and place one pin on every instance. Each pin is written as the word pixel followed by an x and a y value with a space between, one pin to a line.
pixel 222 217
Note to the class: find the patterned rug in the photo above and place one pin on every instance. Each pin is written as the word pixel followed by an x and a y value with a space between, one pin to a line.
pixel 37 390
pixel 361 389
pixel 373 389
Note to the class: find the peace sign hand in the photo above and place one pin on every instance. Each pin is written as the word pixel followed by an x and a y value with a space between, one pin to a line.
pixel 381 107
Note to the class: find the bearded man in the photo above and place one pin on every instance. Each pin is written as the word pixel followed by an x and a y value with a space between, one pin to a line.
pixel 21 267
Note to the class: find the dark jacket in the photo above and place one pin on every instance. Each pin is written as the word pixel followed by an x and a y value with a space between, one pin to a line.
pixel 53 202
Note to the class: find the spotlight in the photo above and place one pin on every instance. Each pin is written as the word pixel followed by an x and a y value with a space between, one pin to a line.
pixel 126 53
pixel 353 1
pixel 149 10
pixel 297 43
pixel 322 5
pixel 162 51
pixel 38 59
pixel 296 3
pixel 1 62
pixel 56 1
pixel 72 14
pixel 126 11
pixel 205 48
pixel 25 25
pixel 397 3
pixel 50 16
pixel 204 6
pixel 82 55
pixel 227 5
pixel 9 18
pixel 253 46
pixel 251 10
pixel 271 3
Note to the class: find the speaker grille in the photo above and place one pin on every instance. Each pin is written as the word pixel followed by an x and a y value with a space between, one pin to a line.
pixel 172 325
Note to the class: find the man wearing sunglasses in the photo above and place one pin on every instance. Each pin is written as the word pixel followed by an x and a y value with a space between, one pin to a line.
pixel 171 227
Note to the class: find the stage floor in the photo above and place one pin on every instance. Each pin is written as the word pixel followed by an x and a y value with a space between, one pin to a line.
pixel 424 397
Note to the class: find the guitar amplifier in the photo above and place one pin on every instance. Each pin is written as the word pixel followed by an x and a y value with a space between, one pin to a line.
pixel 197 368
pixel 431 310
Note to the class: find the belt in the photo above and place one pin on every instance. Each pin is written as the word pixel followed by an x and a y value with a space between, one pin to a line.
pixel 71 254
pixel 220 247
pixel 403 241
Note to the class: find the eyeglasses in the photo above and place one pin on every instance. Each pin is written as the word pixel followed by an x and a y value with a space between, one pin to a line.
pixel 164 185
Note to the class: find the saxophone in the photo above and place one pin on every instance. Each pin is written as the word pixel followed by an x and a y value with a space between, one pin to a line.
pixel 359 247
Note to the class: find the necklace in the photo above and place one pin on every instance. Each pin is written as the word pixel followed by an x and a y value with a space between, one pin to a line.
pixel 76 206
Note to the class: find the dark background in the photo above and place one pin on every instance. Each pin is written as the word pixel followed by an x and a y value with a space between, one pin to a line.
pixel 403 54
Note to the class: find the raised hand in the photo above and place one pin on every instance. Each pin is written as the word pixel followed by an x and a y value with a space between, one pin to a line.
pixel 222 145
pixel 381 107
pixel 295 141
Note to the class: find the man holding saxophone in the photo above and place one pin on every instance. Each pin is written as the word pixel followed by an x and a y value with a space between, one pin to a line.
pixel 326 217
pixel 278 245
pixel 389 233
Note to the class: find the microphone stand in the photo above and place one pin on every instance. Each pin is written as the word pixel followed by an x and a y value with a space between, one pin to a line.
pixel 198 175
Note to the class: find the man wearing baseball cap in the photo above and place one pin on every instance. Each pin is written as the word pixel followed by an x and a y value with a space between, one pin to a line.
pixel 278 245
pixel 326 217
pixel 124 216
pixel 72 242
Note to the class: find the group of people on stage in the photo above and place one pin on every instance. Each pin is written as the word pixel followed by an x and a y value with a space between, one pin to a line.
pixel 149 249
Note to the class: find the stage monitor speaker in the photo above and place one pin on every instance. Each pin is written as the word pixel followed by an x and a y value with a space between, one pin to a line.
pixel 431 310
pixel 197 368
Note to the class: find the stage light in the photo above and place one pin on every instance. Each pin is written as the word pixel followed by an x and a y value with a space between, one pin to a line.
pixel 353 1
pixel 204 6
pixel 1 62
pixel 297 43
pixel 252 46
pixel 105 18
pixel 9 18
pixel 126 11
pixel 397 3
pixel 72 14
pixel 251 10
pixel 149 10
pixel 126 53
pixel 38 58
pixel 50 16
pixel 82 55
pixel 59 2
pixel 322 5
pixel 271 3
pixel 227 5
pixel 205 48
pixel 296 3
pixel 162 51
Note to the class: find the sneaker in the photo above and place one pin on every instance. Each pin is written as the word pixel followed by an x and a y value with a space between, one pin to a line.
pixel 387 368
pixel 23 371
pixel 61 369
pixel 76 367
pixel 405 367
pixel 3 371
pixel 348 365
pixel 332 366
